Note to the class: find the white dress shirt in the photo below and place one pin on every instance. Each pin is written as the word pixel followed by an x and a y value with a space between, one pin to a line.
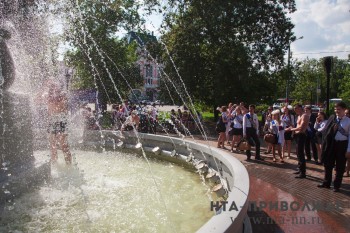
pixel 288 120
pixel 238 121
pixel 275 129
pixel 247 123
pixel 345 125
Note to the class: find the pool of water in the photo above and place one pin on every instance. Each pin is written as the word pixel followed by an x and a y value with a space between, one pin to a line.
pixel 111 192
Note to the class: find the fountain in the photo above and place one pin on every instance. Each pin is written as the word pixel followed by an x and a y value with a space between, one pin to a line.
pixel 108 172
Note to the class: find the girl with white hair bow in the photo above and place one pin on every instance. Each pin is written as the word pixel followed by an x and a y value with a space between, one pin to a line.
pixel 277 128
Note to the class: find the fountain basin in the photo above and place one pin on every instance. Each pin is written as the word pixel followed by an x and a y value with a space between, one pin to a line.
pixel 234 175
pixel 110 191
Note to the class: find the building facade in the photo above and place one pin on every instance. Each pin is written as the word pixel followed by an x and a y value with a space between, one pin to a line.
pixel 148 65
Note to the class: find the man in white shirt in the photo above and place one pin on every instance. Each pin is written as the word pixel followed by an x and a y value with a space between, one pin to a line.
pixel 251 131
pixel 336 147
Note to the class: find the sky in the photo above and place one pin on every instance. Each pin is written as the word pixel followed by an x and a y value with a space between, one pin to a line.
pixel 323 24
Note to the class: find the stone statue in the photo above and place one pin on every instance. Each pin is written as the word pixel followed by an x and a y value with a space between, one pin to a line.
pixel 16 135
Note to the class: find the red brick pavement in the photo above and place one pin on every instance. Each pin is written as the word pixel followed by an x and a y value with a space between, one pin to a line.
pixel 275 182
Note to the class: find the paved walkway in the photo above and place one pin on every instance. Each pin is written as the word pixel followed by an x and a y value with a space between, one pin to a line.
pixel 313 209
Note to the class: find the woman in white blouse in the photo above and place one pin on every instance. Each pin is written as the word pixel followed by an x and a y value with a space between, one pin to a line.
pixel 277 128
pixel 237 129
pixel 289 121
pixel 319 127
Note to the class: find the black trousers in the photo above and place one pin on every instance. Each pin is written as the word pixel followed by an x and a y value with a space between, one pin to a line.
pixel 300 139
pixel 253 140
pixel 338 158
pixel 311 141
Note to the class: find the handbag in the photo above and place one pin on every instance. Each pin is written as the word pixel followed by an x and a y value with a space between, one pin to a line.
pixel 270 138
pixel 243 145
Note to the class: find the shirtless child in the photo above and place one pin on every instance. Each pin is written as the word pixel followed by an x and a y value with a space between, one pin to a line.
pixel 57 117
pixel 131 122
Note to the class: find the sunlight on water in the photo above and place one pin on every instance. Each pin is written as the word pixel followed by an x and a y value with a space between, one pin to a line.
pixel 110 192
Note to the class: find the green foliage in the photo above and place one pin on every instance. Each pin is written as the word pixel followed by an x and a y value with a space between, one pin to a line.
pixel 229 51
pixel 306 80
pixel 261 108
pixel 345 86
pixel 310 73
pixel 202 107
pixel 295 102
pixel 208 116
pixel 223 51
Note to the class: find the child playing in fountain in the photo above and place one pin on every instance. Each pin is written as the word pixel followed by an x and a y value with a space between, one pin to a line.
pixel 131 122
pixel 57 106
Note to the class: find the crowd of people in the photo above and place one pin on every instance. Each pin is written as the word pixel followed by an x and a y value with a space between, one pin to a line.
pixel 327 140
pixel 184 121
pixel 127 117
pixel 144 119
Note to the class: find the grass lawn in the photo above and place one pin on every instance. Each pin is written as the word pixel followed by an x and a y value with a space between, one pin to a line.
pixel 208 116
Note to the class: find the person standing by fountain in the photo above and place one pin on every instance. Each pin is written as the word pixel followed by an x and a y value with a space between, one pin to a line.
pixel 319 126
pixel 251 132
pixel 300 135
pixel 347 169
pixel 335 147
pixel 57 105
pixel 237 130
pixel 277 127
pixel 221 127
pixel 289 121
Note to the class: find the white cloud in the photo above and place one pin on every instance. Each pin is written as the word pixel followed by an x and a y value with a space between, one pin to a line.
pixel 325 26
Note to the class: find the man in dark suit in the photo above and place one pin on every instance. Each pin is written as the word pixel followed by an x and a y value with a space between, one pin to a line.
pixel 335 147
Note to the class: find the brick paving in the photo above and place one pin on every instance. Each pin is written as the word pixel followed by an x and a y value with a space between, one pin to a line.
pixel 273 182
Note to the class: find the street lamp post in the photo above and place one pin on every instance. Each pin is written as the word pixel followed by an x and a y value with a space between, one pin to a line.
pixel 68 74
pixel 288 75
pixel 288 70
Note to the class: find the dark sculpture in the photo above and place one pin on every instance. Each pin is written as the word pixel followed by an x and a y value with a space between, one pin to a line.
pixel 7 75
pixel 17 172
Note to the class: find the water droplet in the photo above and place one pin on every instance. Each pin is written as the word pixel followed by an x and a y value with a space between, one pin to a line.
pixel 7 192
pixel 9 174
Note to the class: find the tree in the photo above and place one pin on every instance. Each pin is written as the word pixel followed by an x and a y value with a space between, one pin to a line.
pixel 345 85
pixel 100 58
pixel 225 49
pixel 305 80
pixel 308 74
